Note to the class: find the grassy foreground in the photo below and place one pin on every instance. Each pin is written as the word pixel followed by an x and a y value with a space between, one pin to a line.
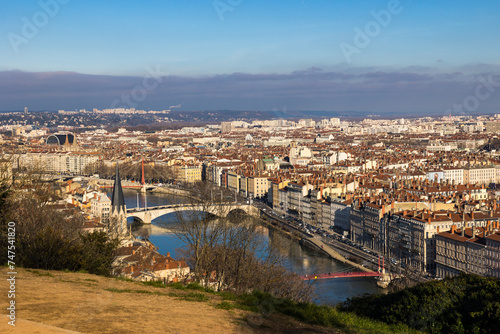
pixel 87 303
pixel 330 317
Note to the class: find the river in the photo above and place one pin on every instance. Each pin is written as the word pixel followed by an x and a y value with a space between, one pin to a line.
pixel 301 260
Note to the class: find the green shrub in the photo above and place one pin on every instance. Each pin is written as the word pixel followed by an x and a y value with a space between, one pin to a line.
pixel 178 286
pixel 224 306
pixel 194 297
pixel 158 284
pixel 463 304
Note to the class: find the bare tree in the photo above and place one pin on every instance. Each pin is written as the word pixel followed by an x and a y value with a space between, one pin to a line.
pixel 48 231
pixel 228 251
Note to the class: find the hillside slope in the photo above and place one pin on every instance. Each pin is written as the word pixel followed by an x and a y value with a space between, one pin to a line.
pixel 60 302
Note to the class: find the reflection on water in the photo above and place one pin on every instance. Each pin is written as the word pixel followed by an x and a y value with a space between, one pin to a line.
pixel 299 259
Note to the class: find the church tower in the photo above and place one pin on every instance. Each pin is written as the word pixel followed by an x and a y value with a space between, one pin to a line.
pixel 118 209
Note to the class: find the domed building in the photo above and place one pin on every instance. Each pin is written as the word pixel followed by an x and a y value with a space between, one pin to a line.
pixel 61 139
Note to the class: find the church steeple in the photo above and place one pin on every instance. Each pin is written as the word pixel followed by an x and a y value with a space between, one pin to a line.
pixel 118 208
pixel 117 198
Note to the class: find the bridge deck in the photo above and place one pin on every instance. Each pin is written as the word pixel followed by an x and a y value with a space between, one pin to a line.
pixel 151 213
pixel 341 275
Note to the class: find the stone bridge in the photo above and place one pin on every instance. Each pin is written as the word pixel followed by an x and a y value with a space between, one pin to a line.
pixel 145 216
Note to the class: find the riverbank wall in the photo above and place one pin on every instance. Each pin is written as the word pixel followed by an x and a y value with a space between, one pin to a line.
pixel 297 235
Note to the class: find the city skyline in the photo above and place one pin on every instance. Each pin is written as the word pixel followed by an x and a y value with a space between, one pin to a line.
pixel 370 56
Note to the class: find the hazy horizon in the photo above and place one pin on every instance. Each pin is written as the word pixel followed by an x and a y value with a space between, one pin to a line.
pixel 374 56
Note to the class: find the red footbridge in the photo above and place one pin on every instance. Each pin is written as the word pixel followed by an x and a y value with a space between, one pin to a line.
pixel 111 186
pixel 350 274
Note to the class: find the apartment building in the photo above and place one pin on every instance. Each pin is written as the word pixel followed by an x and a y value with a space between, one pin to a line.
pixel 57 162
pixel 298 201
pixel 233 181
pixel 461 251
pixel 367 225
pixel 326 214
pixel 282 205
pixel 226 127
pixel 257 186
pixel 454 175
pixel 100 206
pixel 188 173
pixel 410 237
pixel 484 175
pixel 244 185
pixel 493 253
pixel 340 213
pixel 276 198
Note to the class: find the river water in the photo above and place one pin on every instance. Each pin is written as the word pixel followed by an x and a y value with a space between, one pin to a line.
pixel 301 260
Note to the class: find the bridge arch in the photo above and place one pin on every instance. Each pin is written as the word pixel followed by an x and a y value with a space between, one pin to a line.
pixel 154 212
pixel 236 214
pixel 136 219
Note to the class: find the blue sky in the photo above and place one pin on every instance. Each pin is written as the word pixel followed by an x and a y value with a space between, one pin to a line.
pixel 191 39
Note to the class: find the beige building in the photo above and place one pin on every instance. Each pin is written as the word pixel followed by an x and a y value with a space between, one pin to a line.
pixel 226 127
pixel 74 163
pixel 276 186
pixel 492 127
pixel 454 175
pixel 484 175
pixel 257 186
pixel 188 173
pixel 233 181
pixel 100 206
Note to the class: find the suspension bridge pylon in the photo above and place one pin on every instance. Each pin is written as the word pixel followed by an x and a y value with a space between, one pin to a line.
pixel 143 182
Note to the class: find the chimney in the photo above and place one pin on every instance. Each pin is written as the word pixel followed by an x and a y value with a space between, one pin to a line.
pixel 168 254
pixel 453 229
